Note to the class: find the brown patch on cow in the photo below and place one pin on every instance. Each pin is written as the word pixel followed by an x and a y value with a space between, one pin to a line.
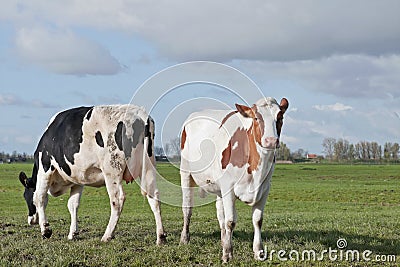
pixel 284 105
pixel 258 125
pixel 237 150
pixel 183 138
pixel 241 149
pixel 226 155
pixel 245 111
pixel 227 117
pixel 254 157
pixel 279 119
pixel 279 123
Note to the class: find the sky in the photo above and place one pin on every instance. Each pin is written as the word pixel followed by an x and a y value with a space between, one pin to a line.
pixel 337 62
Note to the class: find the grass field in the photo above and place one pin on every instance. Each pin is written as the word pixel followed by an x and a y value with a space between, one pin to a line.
pixel 309 208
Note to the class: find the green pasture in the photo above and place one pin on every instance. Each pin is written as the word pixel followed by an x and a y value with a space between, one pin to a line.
pixel 310 207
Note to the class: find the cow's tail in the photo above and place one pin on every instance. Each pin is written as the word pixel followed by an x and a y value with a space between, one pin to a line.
pixel 148 176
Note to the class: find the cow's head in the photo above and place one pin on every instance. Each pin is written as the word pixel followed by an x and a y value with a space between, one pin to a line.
pixel 30 186
pixel 267 117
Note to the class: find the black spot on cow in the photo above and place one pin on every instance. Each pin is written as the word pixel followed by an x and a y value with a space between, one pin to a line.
pixel 118 135
pixel 62 139
pixel 99 139
pixel 148 133
pixel 127 143
pixel 89 114
pixel 138 128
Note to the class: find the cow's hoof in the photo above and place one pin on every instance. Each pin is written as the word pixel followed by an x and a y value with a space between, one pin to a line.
pixel 106 239
pixel 227 257
pixel 162 239
pixel 73 236
pixel 47 233
pixel 260 255
pixel 185 239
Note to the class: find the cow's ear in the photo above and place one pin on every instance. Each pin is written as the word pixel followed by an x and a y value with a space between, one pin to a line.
pixel 245 111
pixel 23 179
pixel 284 105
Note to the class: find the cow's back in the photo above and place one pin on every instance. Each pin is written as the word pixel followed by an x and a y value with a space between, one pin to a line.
pixel 62 138
pixel 86 143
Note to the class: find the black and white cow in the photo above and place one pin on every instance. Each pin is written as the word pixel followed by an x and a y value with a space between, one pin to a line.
pixel 93 146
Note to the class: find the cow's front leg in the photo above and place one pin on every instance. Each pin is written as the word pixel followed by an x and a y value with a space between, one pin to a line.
pixel 73 205
pixel 117 199
pixel 228 200
pixel 40 199
pixel 258 210
pixel 221 218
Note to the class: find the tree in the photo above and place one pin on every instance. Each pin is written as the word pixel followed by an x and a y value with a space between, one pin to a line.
pixel 387 151
pixel 299 154
pixel 173 148
pixel 283 152
pixel 329 144
pixel 351 154
pixel 341 149
pixel 376 151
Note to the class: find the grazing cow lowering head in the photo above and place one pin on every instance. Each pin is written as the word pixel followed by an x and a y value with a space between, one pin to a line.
pixel 239 164
pixel 93 146
pixel 29 185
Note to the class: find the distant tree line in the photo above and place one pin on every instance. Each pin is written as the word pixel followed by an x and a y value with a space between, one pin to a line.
pixel 342 150
pixel 14 157
pixel 285 154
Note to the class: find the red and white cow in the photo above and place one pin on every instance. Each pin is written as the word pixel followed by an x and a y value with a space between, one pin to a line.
pixel 231 154
pixel 93 146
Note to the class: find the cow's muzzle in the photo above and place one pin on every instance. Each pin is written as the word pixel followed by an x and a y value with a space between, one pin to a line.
pixel 271 143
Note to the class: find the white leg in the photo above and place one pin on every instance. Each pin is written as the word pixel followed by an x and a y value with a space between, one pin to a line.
pixel 73 205
pixel 154 203
pixel 187 184
pixel 148 183
pixel 221 218
pixel 40 199
pixel 258 210
pixel 228 201
pixel 117 199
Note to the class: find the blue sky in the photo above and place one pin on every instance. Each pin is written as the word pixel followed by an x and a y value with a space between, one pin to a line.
pixel 337 62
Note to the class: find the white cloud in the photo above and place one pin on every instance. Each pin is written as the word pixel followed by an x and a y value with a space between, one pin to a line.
pixel 7 99
pixel 334 107
pixel 15 100
pixel 350 76
pixel 64 52
pixel 222 30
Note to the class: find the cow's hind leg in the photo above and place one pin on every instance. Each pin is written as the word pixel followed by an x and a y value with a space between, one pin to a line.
pixel 117 199
pixel 149 186
pixel 73 205
pixel 187 185
pixel 40 199
pixel 154 203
